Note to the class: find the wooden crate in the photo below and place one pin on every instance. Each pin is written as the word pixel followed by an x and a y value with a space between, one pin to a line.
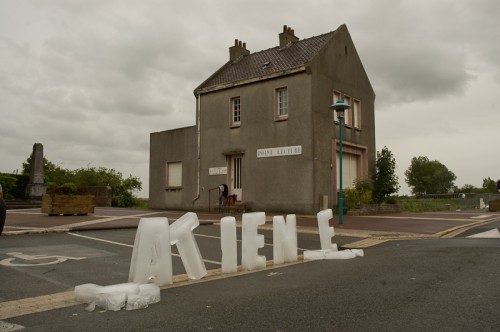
pixel 494 205
pixel 67 204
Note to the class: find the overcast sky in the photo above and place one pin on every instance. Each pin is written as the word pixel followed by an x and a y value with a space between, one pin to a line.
pixel 91 79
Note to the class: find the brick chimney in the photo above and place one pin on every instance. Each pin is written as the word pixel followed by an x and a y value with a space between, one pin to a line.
pixel 287 36
pixel 238 50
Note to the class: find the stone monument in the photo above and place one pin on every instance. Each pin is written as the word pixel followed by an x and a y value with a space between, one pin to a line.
pixel 36 188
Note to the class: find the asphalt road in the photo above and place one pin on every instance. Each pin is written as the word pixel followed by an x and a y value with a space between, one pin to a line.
pixel 412 285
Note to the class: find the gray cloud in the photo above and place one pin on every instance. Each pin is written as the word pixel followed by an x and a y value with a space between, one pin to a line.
pixel 91 79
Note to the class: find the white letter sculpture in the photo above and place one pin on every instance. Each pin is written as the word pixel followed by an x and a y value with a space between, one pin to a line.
pixel 151 256
pixel 251 241
pixel 181 234
pixel 329 250
pixel 284 239
pixel 228 245
pixel 325 231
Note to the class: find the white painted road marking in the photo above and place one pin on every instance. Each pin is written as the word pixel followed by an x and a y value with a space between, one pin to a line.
pixel 33 258
pixel 131 246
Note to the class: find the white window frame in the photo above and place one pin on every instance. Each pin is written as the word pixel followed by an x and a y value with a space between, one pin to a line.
pixel 281 103
pixel 348 112
pixel 336 97
pixel 235 111
pixel 356 111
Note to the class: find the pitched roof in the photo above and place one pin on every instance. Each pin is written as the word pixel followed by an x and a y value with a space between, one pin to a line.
pixel 266 63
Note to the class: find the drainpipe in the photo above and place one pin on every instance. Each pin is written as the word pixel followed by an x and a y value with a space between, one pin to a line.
pixel 198 132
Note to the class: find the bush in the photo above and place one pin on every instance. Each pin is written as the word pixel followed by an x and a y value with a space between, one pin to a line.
pixel 414 204
pixel 359 195
pixel 353 198
pixel 14 185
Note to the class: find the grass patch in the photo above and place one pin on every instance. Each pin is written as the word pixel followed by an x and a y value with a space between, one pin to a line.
pixel 431 204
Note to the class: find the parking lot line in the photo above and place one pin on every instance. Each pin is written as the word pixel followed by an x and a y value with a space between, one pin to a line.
pixel 131 246
pixel 100 221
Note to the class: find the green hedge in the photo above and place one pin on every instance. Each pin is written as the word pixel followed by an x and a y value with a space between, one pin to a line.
pixel 14 185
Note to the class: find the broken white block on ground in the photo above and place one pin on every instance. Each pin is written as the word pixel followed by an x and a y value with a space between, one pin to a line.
pixel 111 301
pixel 332 254
pixel 148 294
pixel 114 297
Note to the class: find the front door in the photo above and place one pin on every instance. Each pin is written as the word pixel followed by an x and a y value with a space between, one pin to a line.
pixel 235 176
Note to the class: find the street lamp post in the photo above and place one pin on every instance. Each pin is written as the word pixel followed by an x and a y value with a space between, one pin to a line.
pixel 340 108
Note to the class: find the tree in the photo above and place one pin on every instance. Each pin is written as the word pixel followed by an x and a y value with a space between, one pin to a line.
pixel 54 175
pixel 426 176
pixel 359 195
pixel 122 188
pixel 8 183
pixel 465 189
pixel 489 185
pixel 385 180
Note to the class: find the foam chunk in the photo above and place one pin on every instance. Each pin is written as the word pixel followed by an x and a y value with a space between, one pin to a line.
pixel 252 241
pixel 111 301
pixel 332 254
pixel 87 292
pixel 149 294
pixel 228 245
pixel 114 297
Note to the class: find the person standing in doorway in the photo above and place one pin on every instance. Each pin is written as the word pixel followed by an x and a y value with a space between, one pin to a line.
pixel 223 192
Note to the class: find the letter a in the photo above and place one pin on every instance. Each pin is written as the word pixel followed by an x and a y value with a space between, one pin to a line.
pixel 151 256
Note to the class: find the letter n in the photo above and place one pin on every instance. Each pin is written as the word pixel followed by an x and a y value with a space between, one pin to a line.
pixel 284 239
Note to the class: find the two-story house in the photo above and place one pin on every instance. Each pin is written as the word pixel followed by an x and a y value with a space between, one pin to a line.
pixel 264 128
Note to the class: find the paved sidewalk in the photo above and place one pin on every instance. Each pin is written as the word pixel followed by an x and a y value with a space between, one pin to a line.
pixel 399 225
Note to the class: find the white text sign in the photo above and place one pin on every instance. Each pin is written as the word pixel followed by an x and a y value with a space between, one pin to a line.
pixel 280 152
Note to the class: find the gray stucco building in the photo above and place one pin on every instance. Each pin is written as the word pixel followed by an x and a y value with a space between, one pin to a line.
pixel 263 127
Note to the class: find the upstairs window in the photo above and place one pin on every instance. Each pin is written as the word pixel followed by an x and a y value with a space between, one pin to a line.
pixel 348 112
pixel 352 116
pixel 235 112
pixel 356 111
pixel 336 96
pixel 281 104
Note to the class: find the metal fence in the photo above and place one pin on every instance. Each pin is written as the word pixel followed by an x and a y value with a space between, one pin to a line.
pixel 450 202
